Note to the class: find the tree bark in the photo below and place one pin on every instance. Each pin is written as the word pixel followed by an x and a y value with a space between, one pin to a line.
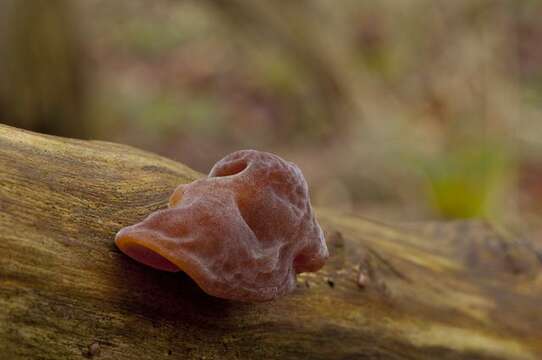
pixel 430 291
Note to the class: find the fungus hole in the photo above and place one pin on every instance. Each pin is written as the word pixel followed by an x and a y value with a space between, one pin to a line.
pixel 231 168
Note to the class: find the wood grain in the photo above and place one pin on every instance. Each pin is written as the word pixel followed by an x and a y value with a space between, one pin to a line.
pixel 440 290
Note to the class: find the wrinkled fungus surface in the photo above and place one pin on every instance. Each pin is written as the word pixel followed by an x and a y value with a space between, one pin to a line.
pixel 241 233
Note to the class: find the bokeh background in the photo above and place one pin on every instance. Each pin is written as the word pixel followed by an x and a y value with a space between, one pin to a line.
pixel 397 110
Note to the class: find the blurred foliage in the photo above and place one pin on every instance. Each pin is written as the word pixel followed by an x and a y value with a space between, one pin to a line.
pixel 406 110
pixel 466 182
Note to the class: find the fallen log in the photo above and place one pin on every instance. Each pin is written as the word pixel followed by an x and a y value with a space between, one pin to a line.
pixel 431 291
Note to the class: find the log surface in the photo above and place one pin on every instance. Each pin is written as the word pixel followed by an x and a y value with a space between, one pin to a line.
pixel 441 290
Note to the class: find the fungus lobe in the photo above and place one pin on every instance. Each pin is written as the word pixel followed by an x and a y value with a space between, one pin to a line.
pixel 242 233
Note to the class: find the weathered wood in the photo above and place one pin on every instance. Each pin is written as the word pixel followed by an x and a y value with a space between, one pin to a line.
pixel 446 291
